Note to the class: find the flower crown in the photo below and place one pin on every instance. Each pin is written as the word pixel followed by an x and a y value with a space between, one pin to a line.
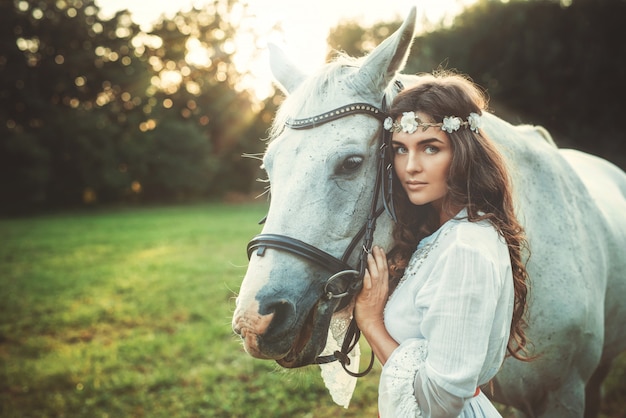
pixel 410 122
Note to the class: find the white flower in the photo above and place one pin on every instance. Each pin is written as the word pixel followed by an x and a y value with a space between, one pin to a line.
pixel 451 124
pixel 475 122
pixel 409 122
pixel 388 124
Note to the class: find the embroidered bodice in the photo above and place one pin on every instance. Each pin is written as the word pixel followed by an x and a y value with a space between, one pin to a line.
pixel 451 314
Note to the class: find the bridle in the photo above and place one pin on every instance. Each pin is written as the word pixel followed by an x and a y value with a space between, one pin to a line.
pixel 335 288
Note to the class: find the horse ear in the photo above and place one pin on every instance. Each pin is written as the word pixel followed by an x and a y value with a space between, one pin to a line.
pixel 381 66
pixel 286 73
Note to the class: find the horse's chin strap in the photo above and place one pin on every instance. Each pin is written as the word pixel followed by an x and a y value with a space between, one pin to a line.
pixel 351 339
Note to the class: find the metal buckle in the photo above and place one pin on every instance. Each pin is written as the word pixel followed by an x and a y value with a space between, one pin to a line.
pixel 330 295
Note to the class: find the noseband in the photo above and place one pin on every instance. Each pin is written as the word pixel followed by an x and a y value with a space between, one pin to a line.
pixel 336 287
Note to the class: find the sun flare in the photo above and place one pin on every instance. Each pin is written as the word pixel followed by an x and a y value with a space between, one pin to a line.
pixel 299 28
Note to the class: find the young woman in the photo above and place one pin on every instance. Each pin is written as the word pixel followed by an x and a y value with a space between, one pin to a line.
pixel 456 276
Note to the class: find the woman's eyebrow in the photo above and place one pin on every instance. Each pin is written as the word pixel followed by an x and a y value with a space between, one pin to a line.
pixel 421 142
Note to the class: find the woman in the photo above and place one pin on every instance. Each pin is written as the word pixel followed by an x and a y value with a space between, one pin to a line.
pixel 457 270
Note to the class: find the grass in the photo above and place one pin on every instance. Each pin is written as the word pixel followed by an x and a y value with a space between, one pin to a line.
pixel 126 313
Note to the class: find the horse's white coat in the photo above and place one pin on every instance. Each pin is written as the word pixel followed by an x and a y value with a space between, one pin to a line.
pixel 572 205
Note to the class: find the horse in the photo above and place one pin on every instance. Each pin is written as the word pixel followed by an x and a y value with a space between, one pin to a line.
pixel 323 163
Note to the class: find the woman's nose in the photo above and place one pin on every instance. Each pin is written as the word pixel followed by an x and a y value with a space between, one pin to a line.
pixel 413 164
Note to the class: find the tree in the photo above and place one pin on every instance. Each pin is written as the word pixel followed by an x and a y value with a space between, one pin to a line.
pixel 95 110
pixel 354 40
pixel 61 74
pixel 204 93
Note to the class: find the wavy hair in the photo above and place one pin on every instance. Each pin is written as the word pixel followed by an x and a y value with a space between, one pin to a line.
pixel 477 180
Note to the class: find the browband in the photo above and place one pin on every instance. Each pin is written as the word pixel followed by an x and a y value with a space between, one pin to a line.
pixel 351 109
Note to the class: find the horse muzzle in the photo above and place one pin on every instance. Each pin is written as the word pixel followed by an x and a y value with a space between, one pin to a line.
pixel 281 335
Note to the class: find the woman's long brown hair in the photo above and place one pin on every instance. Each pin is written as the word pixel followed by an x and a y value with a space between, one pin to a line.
pixel 478 180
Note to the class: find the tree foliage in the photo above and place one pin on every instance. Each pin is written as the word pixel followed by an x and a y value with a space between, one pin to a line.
pixel 354 40
pixel 95 110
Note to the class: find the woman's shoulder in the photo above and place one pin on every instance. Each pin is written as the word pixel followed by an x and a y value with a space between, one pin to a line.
pixel 475 235
pixel 480 227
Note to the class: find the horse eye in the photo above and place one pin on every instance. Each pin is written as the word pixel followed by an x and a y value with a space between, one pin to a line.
pixel 352 163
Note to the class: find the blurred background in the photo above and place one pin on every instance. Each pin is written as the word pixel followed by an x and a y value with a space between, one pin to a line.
pixel 126 201
pixel 100 105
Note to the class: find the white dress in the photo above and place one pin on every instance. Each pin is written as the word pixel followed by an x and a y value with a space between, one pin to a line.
pixel 451 315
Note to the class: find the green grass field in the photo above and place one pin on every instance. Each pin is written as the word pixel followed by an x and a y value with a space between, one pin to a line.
pixel 126 313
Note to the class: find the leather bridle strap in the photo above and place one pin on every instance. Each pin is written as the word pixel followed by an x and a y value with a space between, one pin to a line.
pixel 353 333
pixel 297 247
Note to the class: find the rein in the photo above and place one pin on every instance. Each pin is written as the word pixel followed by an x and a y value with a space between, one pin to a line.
pixel 340 267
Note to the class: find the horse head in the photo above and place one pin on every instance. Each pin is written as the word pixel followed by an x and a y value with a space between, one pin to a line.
pixel 322 183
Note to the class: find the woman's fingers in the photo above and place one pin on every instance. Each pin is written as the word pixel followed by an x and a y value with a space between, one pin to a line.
pixel 370 302
pixel 382 259
pixel 377 263
pixel 372 267
pixel 383 268
pixel 367 280
pixel 379 256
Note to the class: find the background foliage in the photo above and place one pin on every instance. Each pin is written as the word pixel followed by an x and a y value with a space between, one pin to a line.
pixel 96 111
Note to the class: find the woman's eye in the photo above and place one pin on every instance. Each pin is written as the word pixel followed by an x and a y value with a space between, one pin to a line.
pixel 352 163
pixel 400 150
pixel 431 149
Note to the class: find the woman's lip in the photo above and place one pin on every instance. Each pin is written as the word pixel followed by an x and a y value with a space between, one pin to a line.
pixel 415 185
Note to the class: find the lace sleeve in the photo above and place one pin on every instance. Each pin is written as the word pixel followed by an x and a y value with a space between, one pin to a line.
pixel 396 393
pixel 340 384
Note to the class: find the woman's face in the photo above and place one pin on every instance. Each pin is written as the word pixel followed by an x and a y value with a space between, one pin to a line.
pixel 422 162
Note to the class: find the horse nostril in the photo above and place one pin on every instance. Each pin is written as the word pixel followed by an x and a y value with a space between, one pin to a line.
pixel 284 315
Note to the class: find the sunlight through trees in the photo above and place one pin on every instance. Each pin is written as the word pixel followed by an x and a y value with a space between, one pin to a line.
pixel 95 110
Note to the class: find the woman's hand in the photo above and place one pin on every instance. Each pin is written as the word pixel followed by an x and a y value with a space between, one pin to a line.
pixel 370 302
pixel 370 305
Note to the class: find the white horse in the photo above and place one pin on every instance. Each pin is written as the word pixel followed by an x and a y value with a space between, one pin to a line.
pixel 573 207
